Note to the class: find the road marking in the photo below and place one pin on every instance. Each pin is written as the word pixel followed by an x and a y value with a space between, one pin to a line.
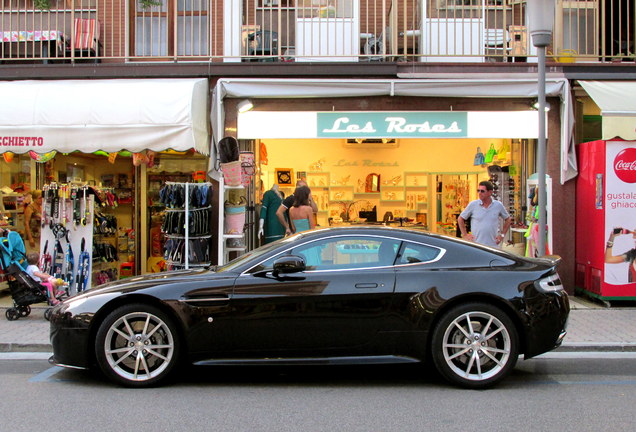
pixel 46 375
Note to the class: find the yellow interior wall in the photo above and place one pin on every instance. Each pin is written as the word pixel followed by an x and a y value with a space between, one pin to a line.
pixel 428 155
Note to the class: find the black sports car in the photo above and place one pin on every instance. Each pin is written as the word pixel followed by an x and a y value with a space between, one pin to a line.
pixel 336 294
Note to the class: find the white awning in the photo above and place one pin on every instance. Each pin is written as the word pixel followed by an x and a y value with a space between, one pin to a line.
pixel 495 87
pixel 108 115
pixel 618 106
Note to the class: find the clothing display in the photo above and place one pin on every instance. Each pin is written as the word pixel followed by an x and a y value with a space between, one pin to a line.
pixel 273 228
pixel 187 224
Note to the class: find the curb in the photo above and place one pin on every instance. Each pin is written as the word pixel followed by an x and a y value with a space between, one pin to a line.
pixel 18 347
pixel 596 347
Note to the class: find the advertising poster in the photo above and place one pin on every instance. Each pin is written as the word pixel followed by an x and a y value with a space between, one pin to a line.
pixel 620 212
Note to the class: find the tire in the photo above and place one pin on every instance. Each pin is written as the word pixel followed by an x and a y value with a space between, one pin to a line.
pixel 24 311
pixel 12 314
pixel 137 345
pixel 475 345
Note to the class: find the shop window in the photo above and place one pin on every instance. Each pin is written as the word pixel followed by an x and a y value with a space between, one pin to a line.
pixel 175 27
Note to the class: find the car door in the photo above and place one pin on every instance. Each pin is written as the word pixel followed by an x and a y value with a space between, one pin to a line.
pixel 339 302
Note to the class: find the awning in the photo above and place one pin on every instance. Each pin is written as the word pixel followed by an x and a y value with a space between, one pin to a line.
pixel 618 106
pixel 108 115
pixel 404 86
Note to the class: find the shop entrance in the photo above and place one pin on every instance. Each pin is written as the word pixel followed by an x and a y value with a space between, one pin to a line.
pixel 419 183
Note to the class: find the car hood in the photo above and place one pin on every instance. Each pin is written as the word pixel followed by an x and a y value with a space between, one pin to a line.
pixel 136 283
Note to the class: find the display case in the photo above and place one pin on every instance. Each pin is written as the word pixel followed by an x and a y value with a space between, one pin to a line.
pixel 12 211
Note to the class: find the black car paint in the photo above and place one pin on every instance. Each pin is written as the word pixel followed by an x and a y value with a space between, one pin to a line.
pixel 320 314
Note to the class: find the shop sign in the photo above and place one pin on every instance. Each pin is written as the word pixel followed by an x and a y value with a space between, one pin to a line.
pixel 21 141
pixel 387 124
pixel 392 125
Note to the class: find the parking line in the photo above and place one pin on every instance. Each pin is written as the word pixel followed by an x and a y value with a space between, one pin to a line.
pixel 46 375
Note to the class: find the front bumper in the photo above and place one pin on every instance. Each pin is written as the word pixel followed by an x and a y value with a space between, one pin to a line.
pixel 70 340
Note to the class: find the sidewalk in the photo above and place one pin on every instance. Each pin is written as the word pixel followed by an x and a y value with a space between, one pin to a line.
pixel 592 327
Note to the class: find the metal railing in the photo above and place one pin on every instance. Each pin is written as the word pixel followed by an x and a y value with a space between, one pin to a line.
pixel 309 30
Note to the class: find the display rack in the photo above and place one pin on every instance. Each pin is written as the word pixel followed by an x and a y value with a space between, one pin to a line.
pixel 233 243
pixel 187 226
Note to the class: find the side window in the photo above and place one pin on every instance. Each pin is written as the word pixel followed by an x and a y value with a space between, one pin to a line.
pixel 417 253
pixel 344 253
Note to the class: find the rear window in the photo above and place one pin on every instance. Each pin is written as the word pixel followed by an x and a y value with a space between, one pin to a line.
pixel 418 253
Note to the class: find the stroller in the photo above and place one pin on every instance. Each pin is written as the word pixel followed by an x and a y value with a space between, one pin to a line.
pixel 25 291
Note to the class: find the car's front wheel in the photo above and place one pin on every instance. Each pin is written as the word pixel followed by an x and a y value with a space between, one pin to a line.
pixel 475 345
pixel 137 345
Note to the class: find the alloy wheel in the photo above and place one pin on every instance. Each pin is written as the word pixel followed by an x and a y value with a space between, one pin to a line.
pixel 476 346
pixel 139 346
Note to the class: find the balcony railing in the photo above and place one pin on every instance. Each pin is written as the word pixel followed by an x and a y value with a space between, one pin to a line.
pixel 70 31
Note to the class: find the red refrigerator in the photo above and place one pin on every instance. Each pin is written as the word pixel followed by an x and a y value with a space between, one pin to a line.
pixel 606 220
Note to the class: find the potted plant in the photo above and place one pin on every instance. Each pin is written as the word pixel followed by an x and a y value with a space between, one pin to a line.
pixel 147 4
pixel 42 4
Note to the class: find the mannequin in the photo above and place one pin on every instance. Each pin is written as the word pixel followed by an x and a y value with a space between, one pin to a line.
pixel 269 223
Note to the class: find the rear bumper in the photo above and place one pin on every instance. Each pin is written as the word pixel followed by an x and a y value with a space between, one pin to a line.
pixel 547 322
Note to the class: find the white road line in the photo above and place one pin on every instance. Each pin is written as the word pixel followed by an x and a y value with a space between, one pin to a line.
pixel 46 375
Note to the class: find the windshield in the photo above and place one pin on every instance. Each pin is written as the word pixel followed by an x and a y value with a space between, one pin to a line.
pixel 254 254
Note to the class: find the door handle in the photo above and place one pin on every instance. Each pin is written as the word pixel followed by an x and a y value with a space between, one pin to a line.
pixel 366 285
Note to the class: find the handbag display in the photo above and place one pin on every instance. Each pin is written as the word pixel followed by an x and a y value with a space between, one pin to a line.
pixel 490 154
pixel 235 217
pixel 479 157
pixel 248 167
pixel 232 173
pixel 228 150
pixel 503 153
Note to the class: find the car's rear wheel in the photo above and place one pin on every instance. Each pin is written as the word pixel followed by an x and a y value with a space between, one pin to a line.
pixel 475 345
pixel 137 345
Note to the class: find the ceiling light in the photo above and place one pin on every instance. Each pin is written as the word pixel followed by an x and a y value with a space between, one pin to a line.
pixel 535 105
pixel 245 106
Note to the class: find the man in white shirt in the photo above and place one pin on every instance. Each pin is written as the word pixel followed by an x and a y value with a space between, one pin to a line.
pixel 484 214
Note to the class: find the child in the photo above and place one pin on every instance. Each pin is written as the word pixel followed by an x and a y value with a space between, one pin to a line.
pixel 45 279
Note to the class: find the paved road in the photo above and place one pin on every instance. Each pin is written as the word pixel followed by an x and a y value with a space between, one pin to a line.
pixel 564 392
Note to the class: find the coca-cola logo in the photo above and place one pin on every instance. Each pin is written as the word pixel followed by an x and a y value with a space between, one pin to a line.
pixel 625 165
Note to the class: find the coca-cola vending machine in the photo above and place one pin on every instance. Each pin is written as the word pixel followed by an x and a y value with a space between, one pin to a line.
pixel 606 220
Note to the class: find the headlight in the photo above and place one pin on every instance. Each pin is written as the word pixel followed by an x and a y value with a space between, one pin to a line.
pixel 550 283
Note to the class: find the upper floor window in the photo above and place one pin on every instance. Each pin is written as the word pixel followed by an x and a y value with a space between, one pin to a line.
pixel 172 28
pixel 462 4
pixel 324 8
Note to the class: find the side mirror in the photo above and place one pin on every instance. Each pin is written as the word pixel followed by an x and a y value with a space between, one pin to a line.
pixel 288 264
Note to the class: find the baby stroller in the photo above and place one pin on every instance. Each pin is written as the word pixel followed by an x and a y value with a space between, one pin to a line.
pixel 25 291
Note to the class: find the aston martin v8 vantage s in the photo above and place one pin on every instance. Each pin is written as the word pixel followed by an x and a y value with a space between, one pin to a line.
pixel 335 294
